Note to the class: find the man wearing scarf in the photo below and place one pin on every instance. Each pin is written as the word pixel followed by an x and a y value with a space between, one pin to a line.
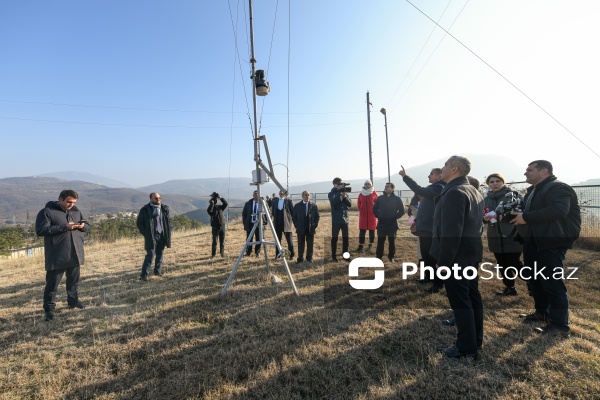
pixel 154 222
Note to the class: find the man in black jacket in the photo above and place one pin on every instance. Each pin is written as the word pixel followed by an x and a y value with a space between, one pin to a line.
pixel 306 219
pixel 217 222
pixel 457 223
pixel 388 208
pixel 340 203
pixel 549 224
pixel 249 216
pixel 424 219
pixel 154 222
pixel 62 225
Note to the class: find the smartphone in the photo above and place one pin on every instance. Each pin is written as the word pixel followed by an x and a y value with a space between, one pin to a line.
pixel 83 221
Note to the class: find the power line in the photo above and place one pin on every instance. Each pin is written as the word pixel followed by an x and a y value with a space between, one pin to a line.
pixel 506 79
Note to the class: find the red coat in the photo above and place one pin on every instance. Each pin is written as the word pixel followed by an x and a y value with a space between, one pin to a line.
pixel 367 219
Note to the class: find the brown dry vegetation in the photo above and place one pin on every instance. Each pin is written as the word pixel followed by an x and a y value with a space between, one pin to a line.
pixel 173 337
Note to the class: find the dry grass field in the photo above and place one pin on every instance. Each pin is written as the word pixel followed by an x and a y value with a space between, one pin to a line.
pixel 173 337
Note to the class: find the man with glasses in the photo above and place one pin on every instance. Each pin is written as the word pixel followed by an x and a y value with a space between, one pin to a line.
pixel 154 222
pixel 306 219
pixel 62 225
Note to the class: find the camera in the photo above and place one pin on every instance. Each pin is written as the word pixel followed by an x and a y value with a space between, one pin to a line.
pixel 214 195
pixel 345 187
pixel 513 202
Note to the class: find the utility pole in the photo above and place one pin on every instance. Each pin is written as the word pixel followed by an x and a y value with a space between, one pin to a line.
pixel 369 130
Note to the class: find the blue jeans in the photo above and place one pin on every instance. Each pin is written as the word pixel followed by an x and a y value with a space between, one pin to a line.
pixel 549 294
pixel 156 252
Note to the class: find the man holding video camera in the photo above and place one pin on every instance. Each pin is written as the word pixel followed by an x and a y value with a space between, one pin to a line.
pixel 340 203
pixel 217 222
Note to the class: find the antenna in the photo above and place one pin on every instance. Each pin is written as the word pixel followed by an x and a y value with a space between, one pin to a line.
pixel 260 175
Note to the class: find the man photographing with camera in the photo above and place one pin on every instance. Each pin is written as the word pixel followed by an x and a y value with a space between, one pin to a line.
pixel 340 203
pixel 217 222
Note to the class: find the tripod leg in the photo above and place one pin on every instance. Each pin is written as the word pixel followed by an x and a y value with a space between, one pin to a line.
pixel 237 263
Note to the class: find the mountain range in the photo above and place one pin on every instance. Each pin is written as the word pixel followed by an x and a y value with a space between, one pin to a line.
pixel 22 197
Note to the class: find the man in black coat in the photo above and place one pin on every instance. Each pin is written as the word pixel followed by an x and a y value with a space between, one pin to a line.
pixel 306 219
pixel 388 208
pixel 549 224
pixel 424 219
pixel 282 209
pixel 154 221
pixel 62 225
pixel 457 224
pixel 340 204
pixel 217 222
pixel 249 216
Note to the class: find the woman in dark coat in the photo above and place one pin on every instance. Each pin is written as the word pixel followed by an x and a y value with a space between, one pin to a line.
pixel 501 234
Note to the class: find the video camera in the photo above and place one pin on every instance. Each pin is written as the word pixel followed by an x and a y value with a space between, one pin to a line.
pixel 345 187
pixel 513 202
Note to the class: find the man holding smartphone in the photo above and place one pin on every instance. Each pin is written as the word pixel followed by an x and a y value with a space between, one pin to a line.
pixel 62 225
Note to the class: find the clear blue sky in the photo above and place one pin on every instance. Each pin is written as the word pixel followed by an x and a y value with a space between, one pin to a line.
pixel 148 91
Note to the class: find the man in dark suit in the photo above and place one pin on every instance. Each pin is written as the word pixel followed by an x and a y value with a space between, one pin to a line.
pixel 306 219
pixel 549 224
pixel 281 210
pixel 388 208
pixel 457 223
pixel 249 216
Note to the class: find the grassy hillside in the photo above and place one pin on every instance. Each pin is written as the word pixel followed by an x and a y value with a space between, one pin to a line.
pixel 174 337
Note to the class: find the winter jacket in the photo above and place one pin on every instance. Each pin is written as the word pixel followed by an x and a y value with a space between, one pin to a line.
pixel 367 219
pixel 388 209
pixel 285 218
pixel 426 206
pixel 217 218
pixel 146 225
pixel 339 207
pixel 62 248
pixel 500 235
pixel 300 218
pixel 457 223
pixel 553 217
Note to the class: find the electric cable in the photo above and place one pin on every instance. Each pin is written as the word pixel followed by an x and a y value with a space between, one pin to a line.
pixel 287 165
pixel 506 79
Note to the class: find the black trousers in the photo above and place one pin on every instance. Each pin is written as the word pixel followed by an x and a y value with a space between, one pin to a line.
pixel 53 279
pixel 309 240
pixel 155 254
pixel 391 237
pixel 335 233
pixel 465 300
pixel 425 240
pixel 506 260
pixel 218 232
pixel 288 237
pixel 256 238
pixel 363 233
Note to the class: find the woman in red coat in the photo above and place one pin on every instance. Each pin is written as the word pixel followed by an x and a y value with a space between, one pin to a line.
pixel 367 220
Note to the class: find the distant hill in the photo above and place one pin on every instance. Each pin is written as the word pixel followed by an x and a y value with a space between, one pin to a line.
pixel 85 177
pixel 28 195
pixel 589 182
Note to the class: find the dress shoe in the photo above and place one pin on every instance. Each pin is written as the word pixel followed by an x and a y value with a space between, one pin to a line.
pixel 534 317
pixel 509 291
pixel 78 304
pixel 454 352
pixel 48 316
pixel 392 260
pixel 552 330
pixel 432 289
pixel 299 261
pixel 334 259
pixel 449 321
pixel 144 278
pixel 158 273
pixel 222 255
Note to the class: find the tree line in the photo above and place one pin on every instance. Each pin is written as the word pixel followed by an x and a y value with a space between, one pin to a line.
pixel 108 230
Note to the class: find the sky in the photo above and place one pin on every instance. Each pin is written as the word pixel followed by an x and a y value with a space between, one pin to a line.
pixel 149 91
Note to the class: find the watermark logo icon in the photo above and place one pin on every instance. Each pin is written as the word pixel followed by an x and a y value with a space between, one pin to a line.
pixel 366 262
